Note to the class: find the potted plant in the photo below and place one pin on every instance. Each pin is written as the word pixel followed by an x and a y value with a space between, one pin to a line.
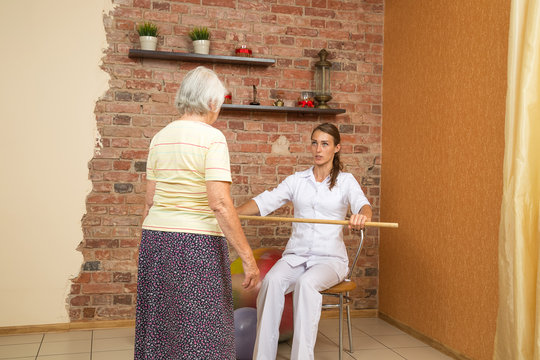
pixel 148 33
pixel 200 37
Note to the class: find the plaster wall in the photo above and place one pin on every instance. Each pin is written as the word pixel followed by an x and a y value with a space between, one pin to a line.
pixel 51 80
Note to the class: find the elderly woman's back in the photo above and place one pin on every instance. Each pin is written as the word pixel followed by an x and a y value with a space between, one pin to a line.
pixel 184 301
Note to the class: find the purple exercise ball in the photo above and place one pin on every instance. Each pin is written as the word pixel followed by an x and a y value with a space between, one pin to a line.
pixel 245 332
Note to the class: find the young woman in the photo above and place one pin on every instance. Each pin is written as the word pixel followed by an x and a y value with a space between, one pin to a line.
pixel 315 257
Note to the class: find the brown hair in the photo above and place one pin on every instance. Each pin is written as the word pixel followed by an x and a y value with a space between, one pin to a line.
pixel 337 165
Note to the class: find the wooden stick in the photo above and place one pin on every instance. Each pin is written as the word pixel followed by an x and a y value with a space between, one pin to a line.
pixel 314 221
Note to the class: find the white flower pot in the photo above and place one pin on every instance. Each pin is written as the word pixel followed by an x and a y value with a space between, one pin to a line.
pixel 201 46
pixel 148 42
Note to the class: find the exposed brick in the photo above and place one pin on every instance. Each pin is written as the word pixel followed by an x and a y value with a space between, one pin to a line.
pixel 89 313
pixel 140 99
pixel 101 288
pixel 289 10
pixel 222 3
pixel 163 6
pixel 122 120
pixel 122 165
pixel 123 188
pixel 123 299
pixel 140 166
pixel 121 277
pixel 91 266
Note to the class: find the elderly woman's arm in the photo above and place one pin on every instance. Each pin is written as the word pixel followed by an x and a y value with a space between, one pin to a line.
pixel 220 201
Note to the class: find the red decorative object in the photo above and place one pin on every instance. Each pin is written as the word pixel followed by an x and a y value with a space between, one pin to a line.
pixel 228 99
pixel 306 103
pixel 243 51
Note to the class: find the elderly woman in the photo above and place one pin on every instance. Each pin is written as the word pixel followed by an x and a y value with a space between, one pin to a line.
pixel 315 257
pixel 184 294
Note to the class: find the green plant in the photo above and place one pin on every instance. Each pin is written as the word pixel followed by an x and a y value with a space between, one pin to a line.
pixel 147 29
pixel 201 33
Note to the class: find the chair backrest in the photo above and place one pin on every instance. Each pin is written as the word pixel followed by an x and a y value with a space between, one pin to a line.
pixel 358 251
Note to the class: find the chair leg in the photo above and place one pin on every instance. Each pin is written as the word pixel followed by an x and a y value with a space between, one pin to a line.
pixel 340 326
pixel 349 326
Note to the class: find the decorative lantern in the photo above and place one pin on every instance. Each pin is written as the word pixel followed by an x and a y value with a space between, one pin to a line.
pixel 322 80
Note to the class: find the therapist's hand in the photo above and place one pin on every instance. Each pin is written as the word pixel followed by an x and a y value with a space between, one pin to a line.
pixel 358 221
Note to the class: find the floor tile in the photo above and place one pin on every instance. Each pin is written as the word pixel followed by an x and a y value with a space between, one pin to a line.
pixel 113 355
pixel 376 354
pixel 18 350
pixel 20 339
pixel 114 333
pixel 421 353
pixel 398 341
pixel 66 347
pixel 83 356
pixel 113 344
pixel 373 326
pixel 67 336
pixel 330 328
pixel 283 352
pixel 331 355
pixel 325 344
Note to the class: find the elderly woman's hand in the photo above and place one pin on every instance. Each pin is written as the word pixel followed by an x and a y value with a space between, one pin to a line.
pixel 251 276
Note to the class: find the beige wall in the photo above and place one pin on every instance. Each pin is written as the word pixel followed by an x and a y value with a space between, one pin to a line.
pixel 444 87
pixel 50 82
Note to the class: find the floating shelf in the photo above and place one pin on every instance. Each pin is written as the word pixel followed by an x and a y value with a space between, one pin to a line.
pixel 282 109
pixel 179 56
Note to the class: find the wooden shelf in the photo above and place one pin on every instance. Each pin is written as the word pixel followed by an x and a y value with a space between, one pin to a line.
pixel 281 109
pixel 238 60
pixel 179 56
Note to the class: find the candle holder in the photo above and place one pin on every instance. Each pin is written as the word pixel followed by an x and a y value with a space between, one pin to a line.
pixel 322 80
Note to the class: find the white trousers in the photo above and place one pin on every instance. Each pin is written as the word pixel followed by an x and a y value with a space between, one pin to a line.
pixel 306 284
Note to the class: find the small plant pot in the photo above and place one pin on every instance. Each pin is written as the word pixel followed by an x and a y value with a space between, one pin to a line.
pixel 201 46
pixel 148 42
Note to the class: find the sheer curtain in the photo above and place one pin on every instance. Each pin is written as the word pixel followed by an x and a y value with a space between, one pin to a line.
pixel 518 322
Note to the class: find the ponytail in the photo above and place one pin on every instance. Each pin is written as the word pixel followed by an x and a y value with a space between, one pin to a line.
pixel 337 166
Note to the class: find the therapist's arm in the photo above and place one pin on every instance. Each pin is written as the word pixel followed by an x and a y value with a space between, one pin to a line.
pixel 248 208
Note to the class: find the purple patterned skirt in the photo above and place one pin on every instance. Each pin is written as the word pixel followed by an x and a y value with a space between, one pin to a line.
pixel 184 298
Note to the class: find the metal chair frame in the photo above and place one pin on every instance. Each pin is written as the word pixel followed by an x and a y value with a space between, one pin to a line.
pixel 341 291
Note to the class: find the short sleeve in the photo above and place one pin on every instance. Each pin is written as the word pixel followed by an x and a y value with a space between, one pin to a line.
pixel 217 165
pixel 269 201
pixel 357 198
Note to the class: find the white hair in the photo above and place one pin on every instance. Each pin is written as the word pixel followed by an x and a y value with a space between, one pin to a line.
pixel 201 92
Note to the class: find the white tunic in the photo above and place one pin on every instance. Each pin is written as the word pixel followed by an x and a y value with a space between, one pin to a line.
pixel 315 258
pixel 315 243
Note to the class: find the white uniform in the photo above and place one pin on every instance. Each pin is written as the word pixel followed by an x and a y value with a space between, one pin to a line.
pixel 314 259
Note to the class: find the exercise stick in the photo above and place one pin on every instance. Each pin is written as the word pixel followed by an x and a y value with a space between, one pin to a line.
pixel 314 221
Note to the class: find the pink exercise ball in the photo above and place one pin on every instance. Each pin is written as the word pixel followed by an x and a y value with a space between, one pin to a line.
pixel 265 258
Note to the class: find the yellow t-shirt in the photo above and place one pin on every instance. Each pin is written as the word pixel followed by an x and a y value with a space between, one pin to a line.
pixel 182 157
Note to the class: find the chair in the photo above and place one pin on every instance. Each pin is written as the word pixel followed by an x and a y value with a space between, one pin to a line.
pixel 341 291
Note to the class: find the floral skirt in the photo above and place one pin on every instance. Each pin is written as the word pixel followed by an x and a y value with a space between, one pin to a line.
pixel 184 297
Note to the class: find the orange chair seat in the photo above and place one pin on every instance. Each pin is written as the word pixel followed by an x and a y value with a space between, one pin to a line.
pixel 344 286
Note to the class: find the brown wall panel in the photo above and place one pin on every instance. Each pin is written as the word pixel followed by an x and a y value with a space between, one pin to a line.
pixel 444 87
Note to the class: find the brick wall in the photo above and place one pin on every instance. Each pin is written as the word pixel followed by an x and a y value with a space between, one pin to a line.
pixel 139 103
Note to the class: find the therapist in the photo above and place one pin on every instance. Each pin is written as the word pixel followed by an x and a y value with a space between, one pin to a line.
pixel 315 257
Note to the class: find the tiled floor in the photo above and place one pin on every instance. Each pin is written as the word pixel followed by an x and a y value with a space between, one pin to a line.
pixel 373 339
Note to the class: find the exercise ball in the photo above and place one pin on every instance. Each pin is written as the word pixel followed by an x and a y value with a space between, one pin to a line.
pixel 245 331
pixel 265 258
